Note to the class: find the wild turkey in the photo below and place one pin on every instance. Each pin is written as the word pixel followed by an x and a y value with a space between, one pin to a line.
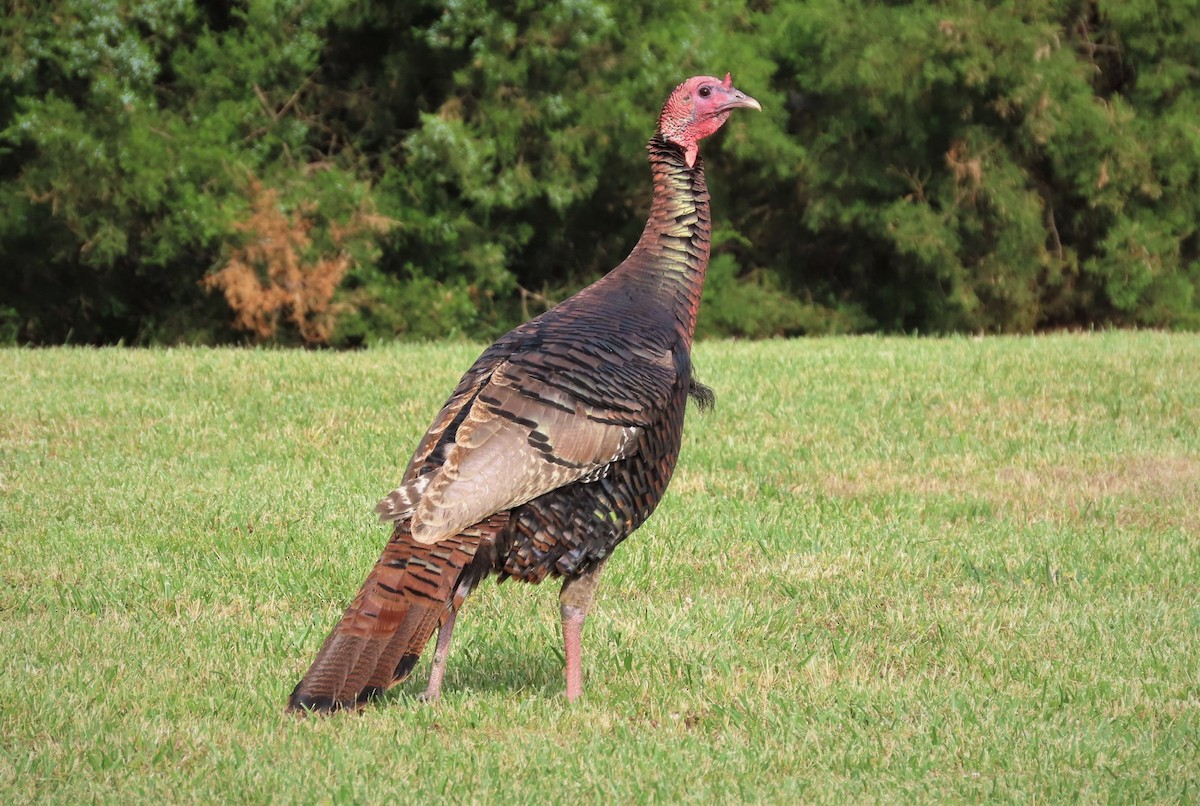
pixel 554 447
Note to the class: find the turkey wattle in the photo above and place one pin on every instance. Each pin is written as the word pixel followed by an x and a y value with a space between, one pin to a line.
pixel 556 445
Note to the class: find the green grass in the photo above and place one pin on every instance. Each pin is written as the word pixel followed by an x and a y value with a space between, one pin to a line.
pixel 886 569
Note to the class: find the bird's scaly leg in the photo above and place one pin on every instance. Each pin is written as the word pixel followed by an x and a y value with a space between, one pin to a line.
pixel 433 691
pixel 575 600
pixel 441 651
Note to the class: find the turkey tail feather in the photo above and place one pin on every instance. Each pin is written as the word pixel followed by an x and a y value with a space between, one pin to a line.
pixel 379 638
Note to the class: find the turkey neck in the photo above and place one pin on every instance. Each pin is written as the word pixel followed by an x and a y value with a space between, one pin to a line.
pixel 667 266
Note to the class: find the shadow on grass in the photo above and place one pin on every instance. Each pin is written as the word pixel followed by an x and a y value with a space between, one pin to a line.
pixel 494 669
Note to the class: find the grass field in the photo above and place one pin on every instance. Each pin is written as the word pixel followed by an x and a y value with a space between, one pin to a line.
pixel 886 569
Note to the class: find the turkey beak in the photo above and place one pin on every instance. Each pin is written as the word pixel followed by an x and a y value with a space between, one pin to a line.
pixel 740 100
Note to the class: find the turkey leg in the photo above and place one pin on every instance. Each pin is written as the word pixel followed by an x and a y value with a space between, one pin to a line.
pixel 441 650
pixel 433 691
pixel 575 600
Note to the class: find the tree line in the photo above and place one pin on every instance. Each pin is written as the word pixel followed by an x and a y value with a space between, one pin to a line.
pixel 332 172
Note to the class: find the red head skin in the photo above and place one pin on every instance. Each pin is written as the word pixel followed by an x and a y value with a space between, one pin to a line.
pixel 697 108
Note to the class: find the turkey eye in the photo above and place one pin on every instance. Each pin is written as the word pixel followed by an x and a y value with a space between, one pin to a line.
pixel 705 92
